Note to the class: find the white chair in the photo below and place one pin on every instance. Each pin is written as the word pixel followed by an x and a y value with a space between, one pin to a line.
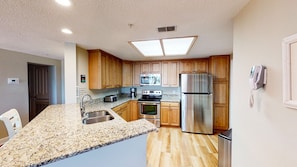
pixel 12 122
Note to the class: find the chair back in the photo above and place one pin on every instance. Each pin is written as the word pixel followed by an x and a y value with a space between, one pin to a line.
pixel 12 120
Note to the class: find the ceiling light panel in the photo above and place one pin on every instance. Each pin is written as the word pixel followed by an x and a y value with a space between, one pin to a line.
pixel 66 31
pixel 177 46
pixel 64 2
pixel 149 48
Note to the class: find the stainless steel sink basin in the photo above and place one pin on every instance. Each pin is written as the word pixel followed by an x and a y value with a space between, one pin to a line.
pixel 96 116
pixel 97 119
pixel 98 113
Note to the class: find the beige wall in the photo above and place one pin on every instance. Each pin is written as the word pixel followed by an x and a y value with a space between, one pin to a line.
pixel 265 135
pixel 14 64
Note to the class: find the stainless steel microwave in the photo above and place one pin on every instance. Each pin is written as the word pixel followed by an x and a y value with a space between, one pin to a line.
pixel 150 79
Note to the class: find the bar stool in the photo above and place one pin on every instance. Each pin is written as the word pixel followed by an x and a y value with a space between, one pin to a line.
pixel 12 122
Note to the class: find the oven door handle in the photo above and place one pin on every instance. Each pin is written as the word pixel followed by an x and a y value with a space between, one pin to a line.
pixel 149 103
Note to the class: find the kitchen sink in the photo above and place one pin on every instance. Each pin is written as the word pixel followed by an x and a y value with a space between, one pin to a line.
pixel 98 113
pixel 96 116
pixel 92 120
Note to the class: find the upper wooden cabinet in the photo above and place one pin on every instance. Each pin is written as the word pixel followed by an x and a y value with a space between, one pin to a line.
pixel 105 70
pixel 136 73
pixel 219 67
pixel 151 67
pixel 127 73
pixel 170 73
pixel 193 65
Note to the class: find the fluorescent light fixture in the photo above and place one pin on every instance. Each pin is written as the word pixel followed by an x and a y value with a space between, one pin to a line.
pixel 64 2
pixel 149 48
pixel 66 31
pixel 165 47
pixel 177 46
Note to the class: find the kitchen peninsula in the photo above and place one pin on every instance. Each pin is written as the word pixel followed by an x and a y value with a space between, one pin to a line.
pixel 57 137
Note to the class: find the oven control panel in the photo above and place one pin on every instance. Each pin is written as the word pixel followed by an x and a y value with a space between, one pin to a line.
pixel 152 92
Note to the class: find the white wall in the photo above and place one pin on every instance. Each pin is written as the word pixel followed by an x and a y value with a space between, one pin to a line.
pixel 14 64
pixel 266 134
pixel 70 72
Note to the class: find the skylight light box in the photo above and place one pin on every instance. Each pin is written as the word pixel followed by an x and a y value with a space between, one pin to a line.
pixel 165 47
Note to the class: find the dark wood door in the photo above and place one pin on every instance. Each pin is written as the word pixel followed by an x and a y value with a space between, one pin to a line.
pixel 38 81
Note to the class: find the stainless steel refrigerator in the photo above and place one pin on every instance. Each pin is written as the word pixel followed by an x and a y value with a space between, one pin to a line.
pixel 196 103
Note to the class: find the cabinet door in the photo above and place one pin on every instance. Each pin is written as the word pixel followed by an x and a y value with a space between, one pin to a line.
pixel 165 115
pixel 186 66
pixel 219 67
pixel 127 73
pixel 174 116
pixel 118 73
pixel 136 74
pixel 221 90
pixel 95 69
pixel 170 73
pixel 221 117
pixel 155 67
pixel 145 68
pixel 200 65
pixel 134 110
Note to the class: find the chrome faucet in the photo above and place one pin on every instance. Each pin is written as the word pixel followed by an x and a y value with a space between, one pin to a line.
pixel 82 105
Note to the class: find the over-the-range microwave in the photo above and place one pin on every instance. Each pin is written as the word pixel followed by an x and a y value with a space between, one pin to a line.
pixel 150 79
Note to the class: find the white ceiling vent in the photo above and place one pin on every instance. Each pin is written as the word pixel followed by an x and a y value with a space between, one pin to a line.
pixel 166 29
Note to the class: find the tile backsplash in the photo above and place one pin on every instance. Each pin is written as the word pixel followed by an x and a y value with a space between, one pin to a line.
pixel 101 93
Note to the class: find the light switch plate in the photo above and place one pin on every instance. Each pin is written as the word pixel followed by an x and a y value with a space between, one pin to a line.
pixel 13 81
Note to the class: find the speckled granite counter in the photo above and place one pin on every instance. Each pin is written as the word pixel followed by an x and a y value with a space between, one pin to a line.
pixel 58 133
pixel 170 98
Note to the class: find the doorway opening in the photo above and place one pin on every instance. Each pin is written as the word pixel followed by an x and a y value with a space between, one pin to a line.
pixel 41 88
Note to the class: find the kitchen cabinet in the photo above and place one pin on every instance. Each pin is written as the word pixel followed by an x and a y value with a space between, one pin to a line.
pixel 219 67
pixel 117 82
pixel 127 73
pixel 122 110
pixel 170 114
pixel 136 73
pixel 105 70
pixel 151 67
pixel 170 73
pixel 194 65
pixel 133 110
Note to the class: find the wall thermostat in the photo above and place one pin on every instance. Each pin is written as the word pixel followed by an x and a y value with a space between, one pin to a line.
pixel 13 81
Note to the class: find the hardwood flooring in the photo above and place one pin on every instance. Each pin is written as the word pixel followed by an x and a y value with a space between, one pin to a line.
pixel 169 147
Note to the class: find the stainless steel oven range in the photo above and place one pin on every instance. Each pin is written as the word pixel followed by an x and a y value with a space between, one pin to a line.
pixel 149 106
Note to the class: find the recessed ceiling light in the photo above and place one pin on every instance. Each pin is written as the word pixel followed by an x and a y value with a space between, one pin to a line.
pixel 66 31
pixel 165 47
pixel 64 2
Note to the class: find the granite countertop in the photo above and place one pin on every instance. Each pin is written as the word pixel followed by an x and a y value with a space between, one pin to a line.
pixel 170 98
pixel 57 133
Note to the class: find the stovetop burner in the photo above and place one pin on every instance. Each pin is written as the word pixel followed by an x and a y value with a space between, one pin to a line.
pixel 151 95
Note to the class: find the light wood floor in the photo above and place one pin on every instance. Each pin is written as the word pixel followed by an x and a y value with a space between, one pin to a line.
pixel 169 147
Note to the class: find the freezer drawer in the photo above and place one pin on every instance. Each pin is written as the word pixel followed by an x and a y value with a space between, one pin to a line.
pixel 197 113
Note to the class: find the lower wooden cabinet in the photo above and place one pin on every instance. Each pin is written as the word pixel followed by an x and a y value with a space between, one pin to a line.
pixel 170 114
pixel 122 110
pixel 128 111
pixel 133 110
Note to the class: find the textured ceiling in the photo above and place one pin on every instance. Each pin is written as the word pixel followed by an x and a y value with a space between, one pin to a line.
pixel 34 26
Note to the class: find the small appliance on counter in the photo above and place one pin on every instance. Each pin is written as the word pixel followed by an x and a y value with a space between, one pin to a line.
pixel 133 92
pixel 110 98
